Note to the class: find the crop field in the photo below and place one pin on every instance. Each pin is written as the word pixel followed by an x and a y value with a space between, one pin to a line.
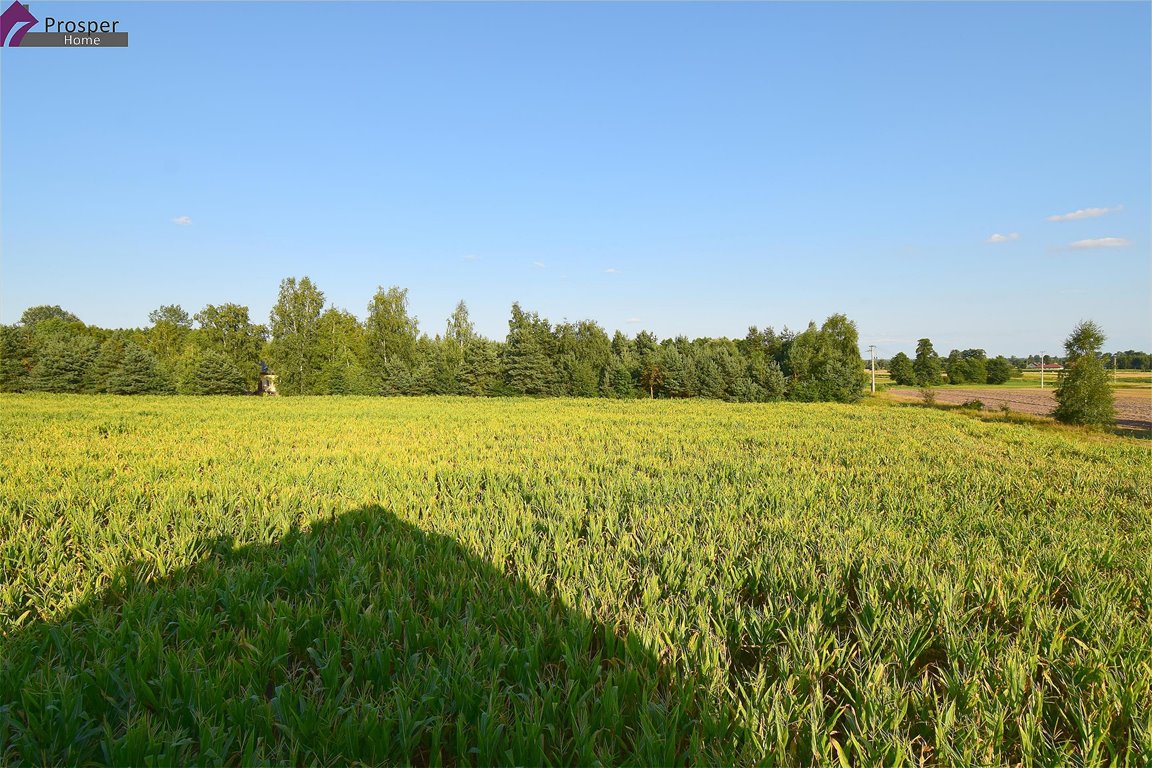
pixel 442 581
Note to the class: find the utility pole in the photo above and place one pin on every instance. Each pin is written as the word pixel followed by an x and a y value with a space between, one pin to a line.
pixel 1042 364
pixel 872 351
pixel 1113 367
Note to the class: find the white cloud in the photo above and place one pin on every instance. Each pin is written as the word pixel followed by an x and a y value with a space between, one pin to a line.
pixel 632 320
pixel 1100 242
pixel 182 220
pixel 611 270
pixel 470 257
pixel 1004 238
pixel 539 264
pixel 1084 213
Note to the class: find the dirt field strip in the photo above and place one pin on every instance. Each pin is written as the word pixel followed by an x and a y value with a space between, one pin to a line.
pixel 1133 409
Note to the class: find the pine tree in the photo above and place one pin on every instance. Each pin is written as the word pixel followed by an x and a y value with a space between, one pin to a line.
pixel 62 364
pixel 15 358
pixel 528 367
pixel 213 373
pixel 480 371
pixel 138 374
pixel 106 363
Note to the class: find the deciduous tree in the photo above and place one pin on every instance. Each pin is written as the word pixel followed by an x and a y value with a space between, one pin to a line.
pixel 900 370
pixel 927 364
pixel 1083 395
pixel 295 325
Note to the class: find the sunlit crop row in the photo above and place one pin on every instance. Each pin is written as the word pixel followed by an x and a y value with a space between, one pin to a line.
pixel 459 581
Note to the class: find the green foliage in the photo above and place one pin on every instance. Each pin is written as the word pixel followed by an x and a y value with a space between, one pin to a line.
pixel 1000 370
pixel 826 363
pixel 62 364
pixel 171 328
pixel 314 350
pixel 676 375
pixel 967 367
pixel 391 335
pixel 460 330
pixel 342 374
pixel 901 371
pixel 105 364
pixel 33 316
pixel 927 365
pixel 480 373
pixel 15 358
pixel 450 582
pixel 172 314
pixel 1083 394
pixel 527 355
pixel 212 373
pixel 772 381
pixel 137 374
pixel 340 348
pixel 294 350
pixel 227 330
pixel 584 352
pixel 649 370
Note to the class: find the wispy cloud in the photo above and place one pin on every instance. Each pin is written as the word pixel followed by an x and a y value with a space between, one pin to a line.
pixel 998 238
pixel 633 320
pixel 182 220
pixel 538 264
pixel 1084 213
pixel 611 270
pixel 1100 242
pixel 470 257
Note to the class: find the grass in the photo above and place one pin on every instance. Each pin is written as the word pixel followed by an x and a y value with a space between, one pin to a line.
pixel 452 581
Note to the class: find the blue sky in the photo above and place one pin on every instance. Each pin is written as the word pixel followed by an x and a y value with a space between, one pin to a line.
pixel 682 168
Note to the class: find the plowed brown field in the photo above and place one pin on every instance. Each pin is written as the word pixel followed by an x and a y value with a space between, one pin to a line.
pixel 1133 409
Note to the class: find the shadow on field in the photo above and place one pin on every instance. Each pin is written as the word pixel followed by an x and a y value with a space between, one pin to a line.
pixel 359 639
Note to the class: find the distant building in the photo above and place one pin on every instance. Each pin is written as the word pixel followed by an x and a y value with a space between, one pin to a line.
pixel 267 385
pixel 1045 366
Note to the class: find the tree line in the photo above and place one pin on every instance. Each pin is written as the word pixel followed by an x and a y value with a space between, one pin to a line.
pixel 973 366
pixel 928 369
pixel 318 349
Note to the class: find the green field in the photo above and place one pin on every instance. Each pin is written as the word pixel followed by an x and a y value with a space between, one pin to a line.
pixel 463 581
